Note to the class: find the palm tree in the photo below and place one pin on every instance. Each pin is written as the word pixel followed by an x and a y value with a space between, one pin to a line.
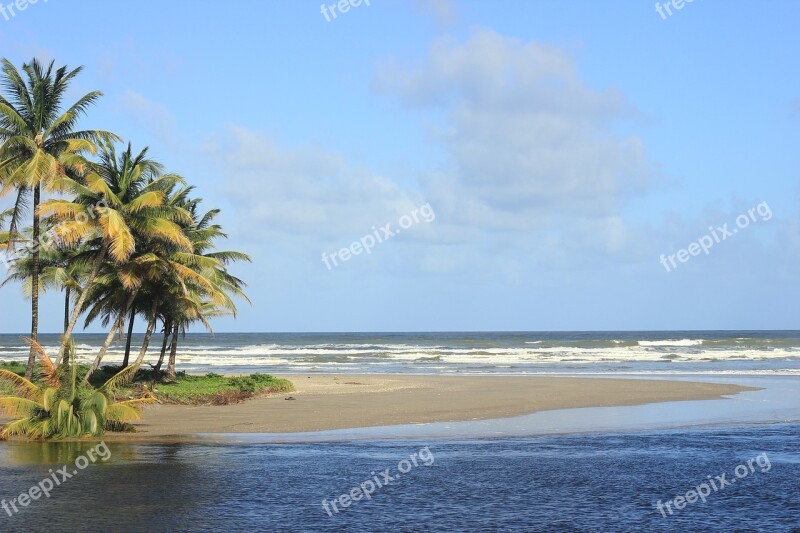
pixel 173 278
pixel 111 295
pixel 114 290
pixel 146 277
pixel 60 408
pixel 196 283
pixel 119 202
pixel 39 145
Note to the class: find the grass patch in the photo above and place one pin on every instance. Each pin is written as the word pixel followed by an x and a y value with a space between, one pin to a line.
pixel 211 389
pixel 214 389
pixel 17 368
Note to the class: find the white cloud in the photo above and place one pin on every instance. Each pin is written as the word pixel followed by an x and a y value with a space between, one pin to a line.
pixel 305 190
pixel 531 145
pixel 534 163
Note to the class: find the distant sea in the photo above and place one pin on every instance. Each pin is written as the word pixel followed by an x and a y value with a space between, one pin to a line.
pixel 610 352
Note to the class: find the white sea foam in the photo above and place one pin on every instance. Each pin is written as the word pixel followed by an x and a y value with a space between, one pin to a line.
pixel 432 357
pixel 674 342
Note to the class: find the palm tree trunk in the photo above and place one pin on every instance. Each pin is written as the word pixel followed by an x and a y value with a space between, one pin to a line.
pixel 103 349
pixel 110 336
pixel 149 333
pixel 126 361
pixel 37 192
pixel 173 350
pixel 67 290
pixel 76 311
pixel 167 329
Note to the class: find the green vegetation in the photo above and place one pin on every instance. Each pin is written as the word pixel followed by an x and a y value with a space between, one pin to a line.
pixel 17 368
pixel 219 390
pixel 59 406
pixel 211 389
pixel 119 236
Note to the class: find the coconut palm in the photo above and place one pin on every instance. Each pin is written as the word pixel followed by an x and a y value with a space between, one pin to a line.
pixel 193 286
pixel 39 144
pixel 111 295
pixel 149 277
pixel 120 202
pixel 159 271
pixel 59 407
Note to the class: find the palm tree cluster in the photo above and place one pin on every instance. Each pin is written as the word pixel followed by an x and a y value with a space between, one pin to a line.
pixel 119 236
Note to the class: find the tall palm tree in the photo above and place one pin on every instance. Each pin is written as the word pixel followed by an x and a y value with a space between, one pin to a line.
pixel 40 144
pixel 129 190
pixel 183 277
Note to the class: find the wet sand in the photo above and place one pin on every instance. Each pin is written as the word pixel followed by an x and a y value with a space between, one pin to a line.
pixel 326 402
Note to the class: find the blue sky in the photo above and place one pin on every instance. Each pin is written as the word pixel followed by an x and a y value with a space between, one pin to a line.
pixel 563 147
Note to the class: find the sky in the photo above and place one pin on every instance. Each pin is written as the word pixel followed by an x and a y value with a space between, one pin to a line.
pixel 541 157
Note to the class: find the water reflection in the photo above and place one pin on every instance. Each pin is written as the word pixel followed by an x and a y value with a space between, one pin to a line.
pixel 42 453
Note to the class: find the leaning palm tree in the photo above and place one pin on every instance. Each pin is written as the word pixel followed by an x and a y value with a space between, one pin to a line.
pixel 59 407
pixel 39 143
pixel 119 202
pixel 147 277
pixel 110 296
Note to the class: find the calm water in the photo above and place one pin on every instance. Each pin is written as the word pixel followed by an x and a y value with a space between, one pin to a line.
pixel 604 483
pixel 678 352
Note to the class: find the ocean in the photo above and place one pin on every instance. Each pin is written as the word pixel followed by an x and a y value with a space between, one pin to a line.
pixel 645 352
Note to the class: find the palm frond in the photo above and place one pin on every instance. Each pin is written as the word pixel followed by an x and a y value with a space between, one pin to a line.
pixel 20 385
pixel 122 378
pixel 16 407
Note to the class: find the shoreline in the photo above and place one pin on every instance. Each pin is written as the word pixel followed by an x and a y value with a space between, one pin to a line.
pixel 325 402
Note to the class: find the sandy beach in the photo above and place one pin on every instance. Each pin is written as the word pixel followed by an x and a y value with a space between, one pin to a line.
pixel 325 402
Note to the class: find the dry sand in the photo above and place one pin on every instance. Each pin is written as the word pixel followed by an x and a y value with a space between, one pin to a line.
pixel 325 402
